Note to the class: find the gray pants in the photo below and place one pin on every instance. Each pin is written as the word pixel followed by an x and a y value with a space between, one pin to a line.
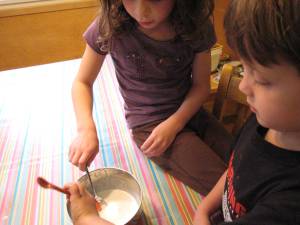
pixel 199 153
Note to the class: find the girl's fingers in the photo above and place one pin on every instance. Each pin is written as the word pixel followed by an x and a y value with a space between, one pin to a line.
pixel 149 151
pixel 149 141
pixel 71 152
pixel 76 157
pixel 90 160
pixel 154 147
pixel 82 162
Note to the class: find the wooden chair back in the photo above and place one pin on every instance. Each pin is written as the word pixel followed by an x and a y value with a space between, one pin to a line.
pixel 228 90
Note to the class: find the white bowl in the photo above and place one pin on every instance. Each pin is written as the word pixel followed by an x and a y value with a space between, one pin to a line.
pixel 120 191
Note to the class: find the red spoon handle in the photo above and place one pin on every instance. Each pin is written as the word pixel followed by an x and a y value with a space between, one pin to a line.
pixel 60 189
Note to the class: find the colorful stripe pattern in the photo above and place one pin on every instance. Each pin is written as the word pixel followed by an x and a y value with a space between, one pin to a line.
pixel 37 125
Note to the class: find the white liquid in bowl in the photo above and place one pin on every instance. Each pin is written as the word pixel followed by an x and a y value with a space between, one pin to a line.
pixel 120 206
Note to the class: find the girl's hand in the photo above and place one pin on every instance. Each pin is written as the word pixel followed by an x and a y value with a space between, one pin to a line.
pixel 82 204
pixel 84 148
pixel 160 139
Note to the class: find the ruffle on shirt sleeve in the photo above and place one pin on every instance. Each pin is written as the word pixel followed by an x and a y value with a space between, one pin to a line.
pixel 91 36
pixel 207 41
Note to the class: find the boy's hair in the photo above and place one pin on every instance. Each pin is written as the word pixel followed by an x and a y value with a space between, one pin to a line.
pixel 187 17
pixel 264 31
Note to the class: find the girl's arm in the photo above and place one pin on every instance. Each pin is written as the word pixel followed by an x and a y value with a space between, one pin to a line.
pixel 199 91
pixel 85 146
pixel 210 203
pixel 163 135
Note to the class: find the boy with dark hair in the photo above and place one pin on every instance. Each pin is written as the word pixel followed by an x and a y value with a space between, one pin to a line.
pixel 262 183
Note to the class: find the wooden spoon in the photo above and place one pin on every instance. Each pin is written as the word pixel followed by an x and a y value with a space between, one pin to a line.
pixel 46 184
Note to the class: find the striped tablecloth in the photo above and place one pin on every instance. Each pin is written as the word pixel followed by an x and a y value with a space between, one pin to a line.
pixel 37 125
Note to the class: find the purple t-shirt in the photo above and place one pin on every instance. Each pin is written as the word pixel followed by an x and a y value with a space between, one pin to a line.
pixel 154 76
